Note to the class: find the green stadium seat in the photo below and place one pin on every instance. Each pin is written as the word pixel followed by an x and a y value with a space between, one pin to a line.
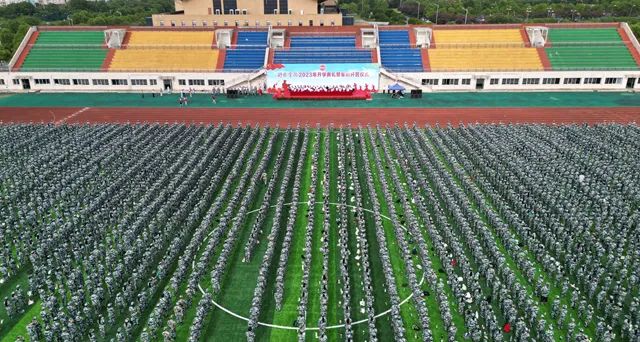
pixel 67 50
pixel 588 49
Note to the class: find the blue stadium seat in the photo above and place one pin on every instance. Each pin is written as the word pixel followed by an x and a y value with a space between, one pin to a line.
pixel 322 49
pixel 396 52
pixel 249 52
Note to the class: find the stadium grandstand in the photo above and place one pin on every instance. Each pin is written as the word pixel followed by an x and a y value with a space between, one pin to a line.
pixel 427 58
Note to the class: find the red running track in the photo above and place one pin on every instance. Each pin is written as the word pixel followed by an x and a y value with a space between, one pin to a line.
pixel 35 114
pixel 323 116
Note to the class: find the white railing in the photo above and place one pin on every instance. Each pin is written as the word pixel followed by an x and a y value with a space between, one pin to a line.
pixel 22 46
pixel 244 79
pixel 632 37
pixel 399 78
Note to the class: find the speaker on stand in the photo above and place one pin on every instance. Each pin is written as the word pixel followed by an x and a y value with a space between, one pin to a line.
pixel 233 94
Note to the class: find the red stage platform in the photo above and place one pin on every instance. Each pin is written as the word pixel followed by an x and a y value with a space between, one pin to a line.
pixel 323 95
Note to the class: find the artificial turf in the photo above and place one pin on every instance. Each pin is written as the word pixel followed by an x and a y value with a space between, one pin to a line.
pixel 430 100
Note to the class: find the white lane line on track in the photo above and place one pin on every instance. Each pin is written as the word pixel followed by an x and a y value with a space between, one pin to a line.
pixel 71 116
pixel 275 326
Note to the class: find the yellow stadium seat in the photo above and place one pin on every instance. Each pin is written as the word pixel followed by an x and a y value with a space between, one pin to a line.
pixel 476 59
pixel 174 59
pixel 477 37
pixel 150 38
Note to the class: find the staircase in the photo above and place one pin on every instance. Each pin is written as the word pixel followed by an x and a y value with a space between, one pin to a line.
pixel 397 54
pixel 249 52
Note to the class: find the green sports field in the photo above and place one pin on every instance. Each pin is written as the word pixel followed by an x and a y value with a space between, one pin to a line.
pixel 200 233
pixel 430 100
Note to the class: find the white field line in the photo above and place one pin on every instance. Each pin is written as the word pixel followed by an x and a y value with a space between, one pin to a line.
pixel 63 120
pixel 275 326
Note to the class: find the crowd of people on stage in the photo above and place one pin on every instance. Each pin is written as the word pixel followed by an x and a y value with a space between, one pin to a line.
pixel 322 89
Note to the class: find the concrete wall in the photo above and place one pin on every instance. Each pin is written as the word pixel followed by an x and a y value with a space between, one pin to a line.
pixel 487 76
pixel 235 78
pixel 9 86
pixel 253 7
pixel 251 20
pixel 198 12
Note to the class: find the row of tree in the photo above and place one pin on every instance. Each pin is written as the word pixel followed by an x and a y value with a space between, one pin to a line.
pixel 15 19
pixel 498 12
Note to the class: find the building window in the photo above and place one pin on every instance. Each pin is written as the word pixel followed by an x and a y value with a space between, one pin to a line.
pixel 321 22
pixel 119 82
pixel 139 82
pixel 217 5
pixel 510 81
pixel 612 80
pixel 226 23
pixel 196 82
pixel 42 81
pixel 494 81
pixel 550 81
pixel 572 80
pixel 466 81
pixel 430 81
pixel 279 23
pixel 592 80
pixel 1 81
pixel 61 81
pixel 204 23
pixel 16 81
pixel 80 82
pixel 284 6
pixel 531 81
pixel 182 82
pixel 153 82
pixel 299 23
pixel 193 23
pixel 216 82
pixel 450 81
pixel 161 22
pixel 230 5
pixel 289 23
pixel 173 23
pixel 100 82
pixel 183 24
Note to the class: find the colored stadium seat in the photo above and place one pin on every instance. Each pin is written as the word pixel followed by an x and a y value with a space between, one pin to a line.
pixel 322 49
pixel 469 59
pixel 155 38
pixel 67 50
pixel 445 38
pixel 584 35
pixel 591 49
pixel 396 52
pixel 164 59
pixel 166 51
pixel 249 52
